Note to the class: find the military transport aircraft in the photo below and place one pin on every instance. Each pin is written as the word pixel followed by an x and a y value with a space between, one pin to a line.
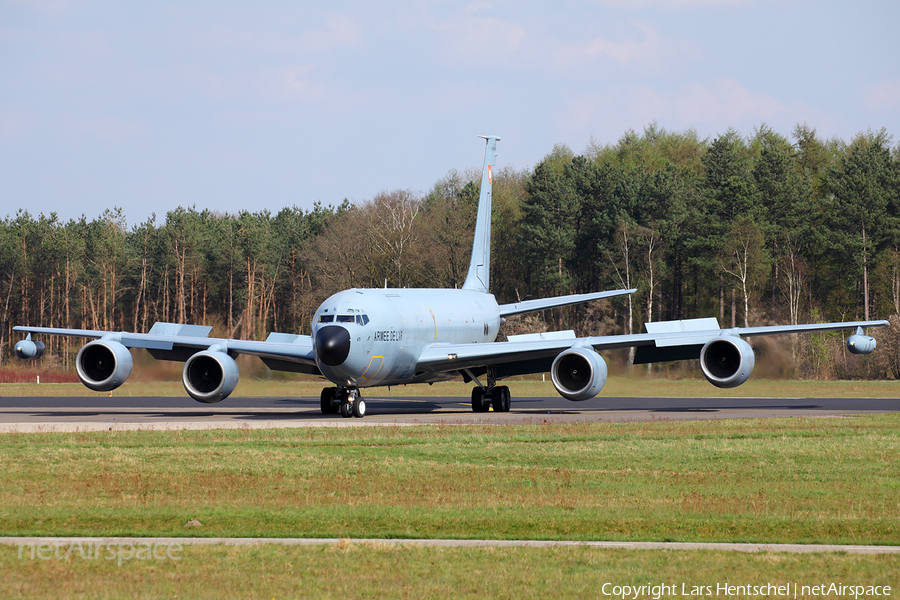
pixel 380 337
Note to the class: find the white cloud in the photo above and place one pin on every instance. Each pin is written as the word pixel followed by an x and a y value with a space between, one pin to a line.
pixel 652 50
pixel 724 101
pixel 337 32
pixel 110 128
pixel 883 96
pixel 54 8
pixel 709 107
pixel 672 4
pixel 472 38
pixel 16 124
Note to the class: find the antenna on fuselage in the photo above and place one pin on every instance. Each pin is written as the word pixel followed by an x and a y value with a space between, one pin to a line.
pixel 479 276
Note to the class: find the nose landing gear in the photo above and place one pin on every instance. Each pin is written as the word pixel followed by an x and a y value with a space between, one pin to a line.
pixel 346 401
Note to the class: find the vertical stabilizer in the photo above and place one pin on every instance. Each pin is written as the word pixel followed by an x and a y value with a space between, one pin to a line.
pixel 478 277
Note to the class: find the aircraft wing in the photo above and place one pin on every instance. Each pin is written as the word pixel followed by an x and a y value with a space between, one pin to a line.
pixel 173 341
pixel 665 341
pixel 526 306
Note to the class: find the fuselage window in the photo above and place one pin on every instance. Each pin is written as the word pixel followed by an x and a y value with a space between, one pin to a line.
pixel 362 319
pixel 345 319
pixel 326 318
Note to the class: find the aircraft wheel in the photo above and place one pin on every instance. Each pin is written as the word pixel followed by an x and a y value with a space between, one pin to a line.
pixel 478 403
pixel 500 399
pixel 328 405
pixel 359 408
pixel 346 407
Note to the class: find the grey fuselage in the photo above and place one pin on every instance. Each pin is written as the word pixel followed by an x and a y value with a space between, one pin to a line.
pixel 388 329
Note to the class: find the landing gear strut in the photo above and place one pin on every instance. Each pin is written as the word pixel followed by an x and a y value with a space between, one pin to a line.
pixel 346 401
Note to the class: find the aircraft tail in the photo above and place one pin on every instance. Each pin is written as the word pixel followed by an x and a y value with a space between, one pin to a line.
pixel 478 277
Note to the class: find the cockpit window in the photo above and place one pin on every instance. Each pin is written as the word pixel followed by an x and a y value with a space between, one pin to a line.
pixel 345 319
pixel 362 319
pixel 326 319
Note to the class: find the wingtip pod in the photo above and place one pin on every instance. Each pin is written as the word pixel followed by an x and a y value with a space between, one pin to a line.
pixel 860 343
pixel 28 349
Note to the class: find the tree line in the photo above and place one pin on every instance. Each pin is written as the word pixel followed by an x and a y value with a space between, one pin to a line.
pixel 754 230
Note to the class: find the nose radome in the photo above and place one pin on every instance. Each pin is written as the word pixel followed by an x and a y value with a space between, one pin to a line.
pixel 333 345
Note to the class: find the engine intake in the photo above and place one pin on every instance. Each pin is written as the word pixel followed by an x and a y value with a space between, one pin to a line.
pixel 103 365
pixel 727 361
pixel 210 376
pixel 578 373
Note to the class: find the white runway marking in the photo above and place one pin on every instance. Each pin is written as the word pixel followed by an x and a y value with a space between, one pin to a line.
pixel 200 541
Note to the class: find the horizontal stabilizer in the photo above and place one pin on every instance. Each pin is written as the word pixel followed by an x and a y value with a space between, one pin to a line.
pixel 526 306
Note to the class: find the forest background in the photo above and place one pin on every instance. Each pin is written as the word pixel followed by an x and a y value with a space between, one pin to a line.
pixel 754 230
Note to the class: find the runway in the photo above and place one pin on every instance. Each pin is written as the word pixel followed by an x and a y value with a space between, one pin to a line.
pixel 102 413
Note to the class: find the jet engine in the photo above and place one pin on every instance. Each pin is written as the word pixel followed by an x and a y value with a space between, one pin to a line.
pixel 578 373
pixel 727 361
pixel 210 376
pixel 103 365
pixel 856 344
pixel 29 350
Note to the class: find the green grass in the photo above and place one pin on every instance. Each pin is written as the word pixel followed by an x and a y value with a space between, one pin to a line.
pixel 774 480
pixel 381 571
pixel 833 480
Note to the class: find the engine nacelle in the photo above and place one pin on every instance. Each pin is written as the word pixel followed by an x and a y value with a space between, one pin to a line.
pixel 861 344
pixel 727 361
pixel 103 365
pixel 210 376
pixel 578 373
pixel 29 350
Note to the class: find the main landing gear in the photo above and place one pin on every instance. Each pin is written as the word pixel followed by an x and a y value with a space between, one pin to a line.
pixel 484 398
pixel 346 401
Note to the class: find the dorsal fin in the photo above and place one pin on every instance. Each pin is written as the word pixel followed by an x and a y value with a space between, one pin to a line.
pixel 479 276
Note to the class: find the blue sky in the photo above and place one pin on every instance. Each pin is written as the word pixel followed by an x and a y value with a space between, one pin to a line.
pixel 238 105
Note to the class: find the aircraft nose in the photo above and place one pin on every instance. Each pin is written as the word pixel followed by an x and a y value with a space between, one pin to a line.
pixel 333 345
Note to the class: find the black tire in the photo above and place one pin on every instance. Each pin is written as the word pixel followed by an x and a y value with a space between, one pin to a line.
pixel 328 405
pixel 497 399
pixel 478 403
pixel 506 398
pixel 346 408
pixel 359 408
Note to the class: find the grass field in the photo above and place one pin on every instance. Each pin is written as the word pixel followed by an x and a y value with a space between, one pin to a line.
pixel 775 480
pixel 381 571
pixel 833 480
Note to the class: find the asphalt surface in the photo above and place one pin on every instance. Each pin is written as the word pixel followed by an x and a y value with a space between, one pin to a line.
pixel 104 413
